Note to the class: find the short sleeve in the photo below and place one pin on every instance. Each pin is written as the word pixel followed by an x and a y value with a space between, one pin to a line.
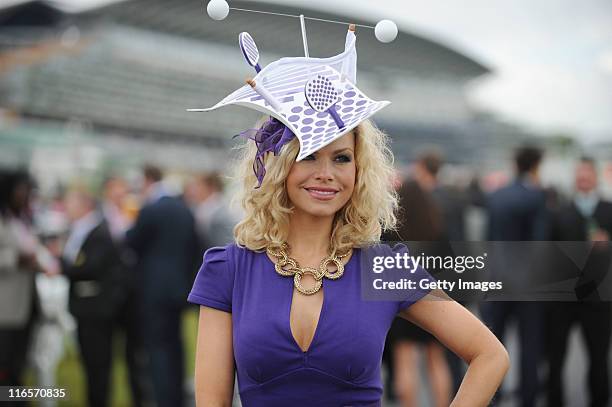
pixel 420 276
pixel 214 284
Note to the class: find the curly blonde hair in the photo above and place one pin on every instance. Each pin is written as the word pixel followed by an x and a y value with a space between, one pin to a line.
pixel 370 210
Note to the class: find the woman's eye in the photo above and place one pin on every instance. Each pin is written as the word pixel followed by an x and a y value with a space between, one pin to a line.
pixel 309 157
pixel 343 158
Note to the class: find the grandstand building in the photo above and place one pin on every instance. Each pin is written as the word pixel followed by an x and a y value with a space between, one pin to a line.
pixel 120 77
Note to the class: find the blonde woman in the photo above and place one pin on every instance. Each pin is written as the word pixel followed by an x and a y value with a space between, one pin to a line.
pixel 282 306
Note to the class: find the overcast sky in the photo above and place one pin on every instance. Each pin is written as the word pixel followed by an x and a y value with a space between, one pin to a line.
pixel 552 58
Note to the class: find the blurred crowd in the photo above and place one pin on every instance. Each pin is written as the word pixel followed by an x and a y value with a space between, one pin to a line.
pixel 520 209
pixel 97 262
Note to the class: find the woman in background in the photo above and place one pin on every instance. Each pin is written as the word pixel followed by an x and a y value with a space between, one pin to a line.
pixel 420 221
pixel 19 261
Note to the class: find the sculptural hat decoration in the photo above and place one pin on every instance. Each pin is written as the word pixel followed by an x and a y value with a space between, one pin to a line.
pixel 316 99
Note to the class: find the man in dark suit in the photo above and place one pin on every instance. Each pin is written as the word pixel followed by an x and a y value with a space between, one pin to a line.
pixel 517 212
pixel 586 218
pixel 165 242
pixel 130 314
pixel 92 262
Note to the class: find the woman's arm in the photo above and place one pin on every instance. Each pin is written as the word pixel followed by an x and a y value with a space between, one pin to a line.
pixel 214 367
pixel 461 332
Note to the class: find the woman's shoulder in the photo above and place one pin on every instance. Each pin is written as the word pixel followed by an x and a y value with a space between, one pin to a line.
pixel 231 252
pixel 214 283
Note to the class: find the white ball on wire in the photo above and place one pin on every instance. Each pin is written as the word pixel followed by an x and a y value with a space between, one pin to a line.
pixel 385 31
pixel 217 9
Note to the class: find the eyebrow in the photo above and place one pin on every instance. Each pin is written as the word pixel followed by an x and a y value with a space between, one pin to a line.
pixel 343 149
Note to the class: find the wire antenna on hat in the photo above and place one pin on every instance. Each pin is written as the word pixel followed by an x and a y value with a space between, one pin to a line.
pixel 385 30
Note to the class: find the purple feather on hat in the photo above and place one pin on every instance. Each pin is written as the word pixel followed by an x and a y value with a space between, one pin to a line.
pixel 270 137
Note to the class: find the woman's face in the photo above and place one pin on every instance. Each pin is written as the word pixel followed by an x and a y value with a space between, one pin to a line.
pixel 322 183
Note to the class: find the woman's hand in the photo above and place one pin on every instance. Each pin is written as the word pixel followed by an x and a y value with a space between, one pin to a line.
pixel 461 332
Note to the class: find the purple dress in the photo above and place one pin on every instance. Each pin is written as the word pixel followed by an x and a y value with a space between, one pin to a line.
pixel 342 366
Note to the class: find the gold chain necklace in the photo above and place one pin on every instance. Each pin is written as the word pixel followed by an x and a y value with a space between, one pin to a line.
pixel 287 267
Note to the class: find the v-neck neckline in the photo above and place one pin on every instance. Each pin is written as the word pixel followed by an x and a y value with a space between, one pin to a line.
pixel 287 322
pixel 287 315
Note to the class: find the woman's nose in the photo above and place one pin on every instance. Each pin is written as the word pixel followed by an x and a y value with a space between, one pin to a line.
pixel 324 170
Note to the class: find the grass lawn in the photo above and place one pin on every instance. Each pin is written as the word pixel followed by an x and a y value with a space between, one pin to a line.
pixel 71 376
